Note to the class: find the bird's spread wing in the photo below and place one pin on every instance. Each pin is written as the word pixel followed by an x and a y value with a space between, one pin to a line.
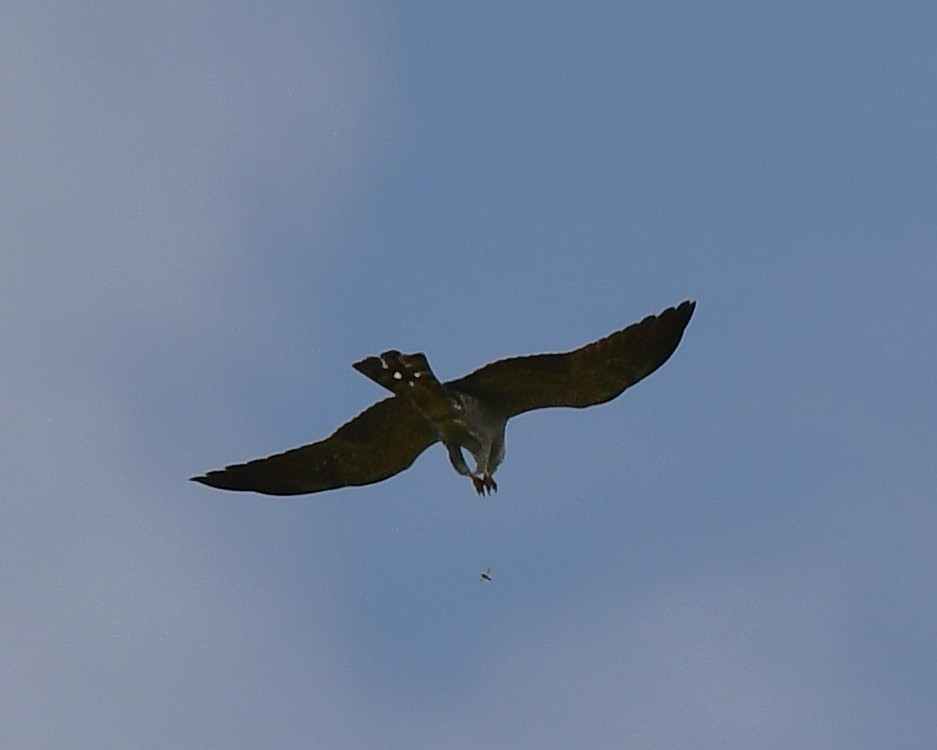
pixel 592 374
pixel 382 441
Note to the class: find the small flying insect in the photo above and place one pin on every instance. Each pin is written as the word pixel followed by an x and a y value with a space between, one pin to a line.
pixel 486 575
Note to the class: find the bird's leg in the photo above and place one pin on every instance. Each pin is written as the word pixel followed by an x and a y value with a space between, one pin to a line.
pixel 483 482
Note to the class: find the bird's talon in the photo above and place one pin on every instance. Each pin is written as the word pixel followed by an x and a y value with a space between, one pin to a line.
pixel 484 485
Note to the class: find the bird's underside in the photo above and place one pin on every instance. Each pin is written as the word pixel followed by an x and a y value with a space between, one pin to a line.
pixel 468 414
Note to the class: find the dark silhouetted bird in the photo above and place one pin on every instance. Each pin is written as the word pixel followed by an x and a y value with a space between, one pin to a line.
pixel 465 414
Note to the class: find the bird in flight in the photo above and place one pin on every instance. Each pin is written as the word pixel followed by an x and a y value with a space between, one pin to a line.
pixel 486 575
pixel 469 413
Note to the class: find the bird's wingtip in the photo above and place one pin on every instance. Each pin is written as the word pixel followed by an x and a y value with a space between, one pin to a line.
pixel 209 480
pixel 684 310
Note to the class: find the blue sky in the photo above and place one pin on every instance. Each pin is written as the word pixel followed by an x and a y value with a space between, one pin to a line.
pixel 210 210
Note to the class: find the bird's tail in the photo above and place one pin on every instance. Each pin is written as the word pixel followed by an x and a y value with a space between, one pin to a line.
pixel 395 371
pixel 408 376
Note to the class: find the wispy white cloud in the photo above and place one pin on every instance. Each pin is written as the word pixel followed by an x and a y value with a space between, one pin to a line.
pixel 139 141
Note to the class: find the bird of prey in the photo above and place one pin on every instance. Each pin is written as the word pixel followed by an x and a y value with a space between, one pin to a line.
pixel 469 413
pixel 486 575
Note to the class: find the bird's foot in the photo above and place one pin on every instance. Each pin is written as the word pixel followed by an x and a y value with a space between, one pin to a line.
pixel 485 484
